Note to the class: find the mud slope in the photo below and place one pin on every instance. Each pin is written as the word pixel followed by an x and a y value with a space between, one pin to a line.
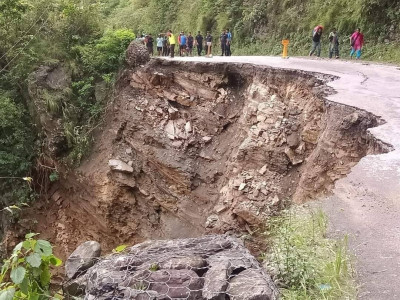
pixel 205 148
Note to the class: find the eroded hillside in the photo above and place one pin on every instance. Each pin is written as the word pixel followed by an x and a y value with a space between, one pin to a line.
pixel 190 148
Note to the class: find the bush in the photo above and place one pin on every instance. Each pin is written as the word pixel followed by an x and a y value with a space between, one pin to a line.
pixel 26 274
pixel 16 151
pixel 106 54
pixel 305 263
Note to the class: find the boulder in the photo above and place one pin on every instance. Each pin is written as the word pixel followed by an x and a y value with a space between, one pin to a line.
pixel 293 140
pixel 136 54
pixel 76 287
pixel 198 268
pixel 120 166
pixel 82 259
pixel 250 285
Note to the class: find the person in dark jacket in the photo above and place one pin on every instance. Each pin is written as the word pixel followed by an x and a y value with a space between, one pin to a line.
pixel 189 44
pixel 223 39
pixel 149 44
pixel 334 44
pixel 316 41
pixel 199 43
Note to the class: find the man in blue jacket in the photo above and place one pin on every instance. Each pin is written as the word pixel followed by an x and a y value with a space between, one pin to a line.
pixel 182 45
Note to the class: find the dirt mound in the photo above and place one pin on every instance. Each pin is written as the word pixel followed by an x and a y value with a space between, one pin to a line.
pixel 190 148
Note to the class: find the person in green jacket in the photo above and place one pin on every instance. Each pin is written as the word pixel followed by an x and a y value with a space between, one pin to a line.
pixel 334 44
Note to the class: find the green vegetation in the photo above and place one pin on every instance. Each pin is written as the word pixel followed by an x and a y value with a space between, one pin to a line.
pixel 307 264
pixel 26 274
pixel 69 33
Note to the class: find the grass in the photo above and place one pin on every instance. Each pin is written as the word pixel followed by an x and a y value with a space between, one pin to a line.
pixel 304 262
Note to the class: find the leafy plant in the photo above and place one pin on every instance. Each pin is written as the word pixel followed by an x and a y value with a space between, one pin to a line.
pixel 120 248
pixel 305 263
pixel 154 267
pixel 54 176
pixel 26 274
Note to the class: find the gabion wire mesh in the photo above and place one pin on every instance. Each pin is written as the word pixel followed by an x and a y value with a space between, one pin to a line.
pixel 211 267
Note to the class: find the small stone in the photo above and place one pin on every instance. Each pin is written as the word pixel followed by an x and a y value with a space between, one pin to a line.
pixel 177 144
pixel 293 140
pixel 248 178
pixel 220 208
pixel 242 186
pixel 263 170
pixel 170 129
pixel 188 127
pixel 207 139
pixel 120 166
pixel 275 201
pixel 144 192
pixel 128 151
pixel 173 113
pixel 211 221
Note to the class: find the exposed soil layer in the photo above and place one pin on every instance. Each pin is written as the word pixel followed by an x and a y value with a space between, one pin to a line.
pixel 204 148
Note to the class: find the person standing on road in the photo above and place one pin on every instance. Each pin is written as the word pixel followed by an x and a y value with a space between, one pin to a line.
pixel 159 44
pixel 199 43
pixel 189 44
pixel 172 42
pixel 228 44
pixel 316 41
pixel 165 46
pixel 182 44
pixel 149 44
pixel 223 39
pixel 209 44
pixel 334 44
pixel 357 42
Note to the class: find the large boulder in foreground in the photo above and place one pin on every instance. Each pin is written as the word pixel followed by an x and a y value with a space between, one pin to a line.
pixel 211 267
pixel 82 259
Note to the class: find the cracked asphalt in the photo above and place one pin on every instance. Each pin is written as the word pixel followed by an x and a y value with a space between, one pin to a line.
pixel 366 204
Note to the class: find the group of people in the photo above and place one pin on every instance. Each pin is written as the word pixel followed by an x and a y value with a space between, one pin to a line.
pixel 166 43
pixel 356 43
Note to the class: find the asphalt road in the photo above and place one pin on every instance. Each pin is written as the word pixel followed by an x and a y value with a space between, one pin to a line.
pixel 365 204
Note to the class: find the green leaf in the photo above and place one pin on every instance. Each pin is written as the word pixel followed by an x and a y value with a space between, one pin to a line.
pixel 26 245
pixel 18 247
pixel 120 248
pixel 36 272
pixel 45 277
pixel 14 207
pixel 34 260
pixel 7 294
pixel 33 296
pixel 31 235
pixel 24 286
pixel 55 261
pixel 18 274
pixel 43 248
pixel 5 266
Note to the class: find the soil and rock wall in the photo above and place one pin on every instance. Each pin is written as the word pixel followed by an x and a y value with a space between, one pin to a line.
pixel 195 148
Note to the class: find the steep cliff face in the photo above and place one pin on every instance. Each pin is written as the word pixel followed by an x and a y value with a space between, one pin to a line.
pixel 191 148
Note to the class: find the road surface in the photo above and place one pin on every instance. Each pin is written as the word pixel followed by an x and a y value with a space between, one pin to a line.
pixel 365 204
